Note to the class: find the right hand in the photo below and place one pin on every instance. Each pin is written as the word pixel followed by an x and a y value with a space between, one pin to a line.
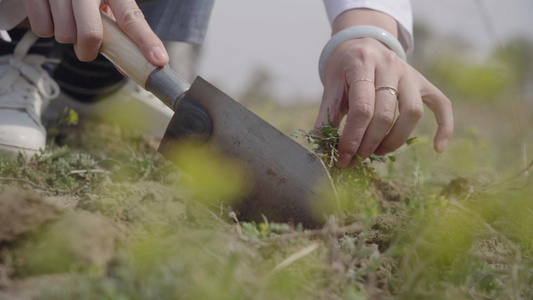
pixel 78 22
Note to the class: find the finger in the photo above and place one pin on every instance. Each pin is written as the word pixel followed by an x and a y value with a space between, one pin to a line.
pixel 40 17
pixel 384 112
pixel 105 8
pixel 88 29
pixel 332 108
pixel 131 20
pixel 65 25
pixel 411 109
pixel 442 109
pixel 361 98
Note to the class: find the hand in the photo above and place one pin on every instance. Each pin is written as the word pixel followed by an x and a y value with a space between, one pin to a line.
pixel 78 22
pixel 370 126
pixel 352 74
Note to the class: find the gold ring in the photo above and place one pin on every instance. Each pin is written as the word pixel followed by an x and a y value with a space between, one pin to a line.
pixel 391 89
pixel 362 79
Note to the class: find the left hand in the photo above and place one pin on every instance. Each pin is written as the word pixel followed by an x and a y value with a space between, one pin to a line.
pixel 352 74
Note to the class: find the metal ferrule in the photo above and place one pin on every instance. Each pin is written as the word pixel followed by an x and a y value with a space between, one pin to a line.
pixel 168 86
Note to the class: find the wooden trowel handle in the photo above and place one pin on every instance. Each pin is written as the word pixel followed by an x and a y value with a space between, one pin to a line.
pixel 163 82
pixel 124 53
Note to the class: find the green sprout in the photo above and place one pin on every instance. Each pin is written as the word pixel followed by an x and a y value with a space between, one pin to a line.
pixel 324 143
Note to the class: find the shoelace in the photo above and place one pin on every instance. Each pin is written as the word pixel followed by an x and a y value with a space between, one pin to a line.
pixel 25 76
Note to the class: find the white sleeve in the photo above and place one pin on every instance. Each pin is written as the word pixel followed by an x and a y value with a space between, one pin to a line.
pixel 398 9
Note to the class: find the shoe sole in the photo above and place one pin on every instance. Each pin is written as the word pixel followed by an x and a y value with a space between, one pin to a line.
pixel 13 151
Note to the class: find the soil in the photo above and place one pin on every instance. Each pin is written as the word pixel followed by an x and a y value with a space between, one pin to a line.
pixel 385 227
pixel 25 214
pixel 491 250
pixel 31 287
pixel 143 201
pixel 22 213
pixel 389 194
pixel 77 241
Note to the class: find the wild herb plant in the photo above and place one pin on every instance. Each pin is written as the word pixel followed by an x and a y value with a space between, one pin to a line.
pixel 59 170
pixel 324 143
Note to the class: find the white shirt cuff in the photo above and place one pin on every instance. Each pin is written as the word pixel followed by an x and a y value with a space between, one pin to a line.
pixel 398 9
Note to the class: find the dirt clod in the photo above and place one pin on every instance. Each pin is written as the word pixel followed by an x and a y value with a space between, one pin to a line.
pixel 78 240
pixel 22 213
pixel 385 227
pixel 389 194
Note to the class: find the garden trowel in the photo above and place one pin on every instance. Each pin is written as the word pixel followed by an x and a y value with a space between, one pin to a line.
pixel 287 183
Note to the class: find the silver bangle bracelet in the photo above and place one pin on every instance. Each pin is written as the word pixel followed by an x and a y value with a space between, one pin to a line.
pixel 357 32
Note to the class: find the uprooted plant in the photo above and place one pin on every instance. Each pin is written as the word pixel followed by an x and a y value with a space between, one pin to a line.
pixel 324 143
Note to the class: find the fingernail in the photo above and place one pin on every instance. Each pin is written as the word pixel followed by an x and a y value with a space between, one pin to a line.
pixel 381 151
pixel 159 54
pixel 344 160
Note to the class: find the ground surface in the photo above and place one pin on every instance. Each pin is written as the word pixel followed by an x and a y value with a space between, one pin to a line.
pixel 101 215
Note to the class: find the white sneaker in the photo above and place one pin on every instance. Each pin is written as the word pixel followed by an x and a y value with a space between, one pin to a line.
pixel 130 106
pixel 24 85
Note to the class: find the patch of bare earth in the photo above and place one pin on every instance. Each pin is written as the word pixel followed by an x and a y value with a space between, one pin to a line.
pixel 22 213
pixel 389 194
pixel 42 239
